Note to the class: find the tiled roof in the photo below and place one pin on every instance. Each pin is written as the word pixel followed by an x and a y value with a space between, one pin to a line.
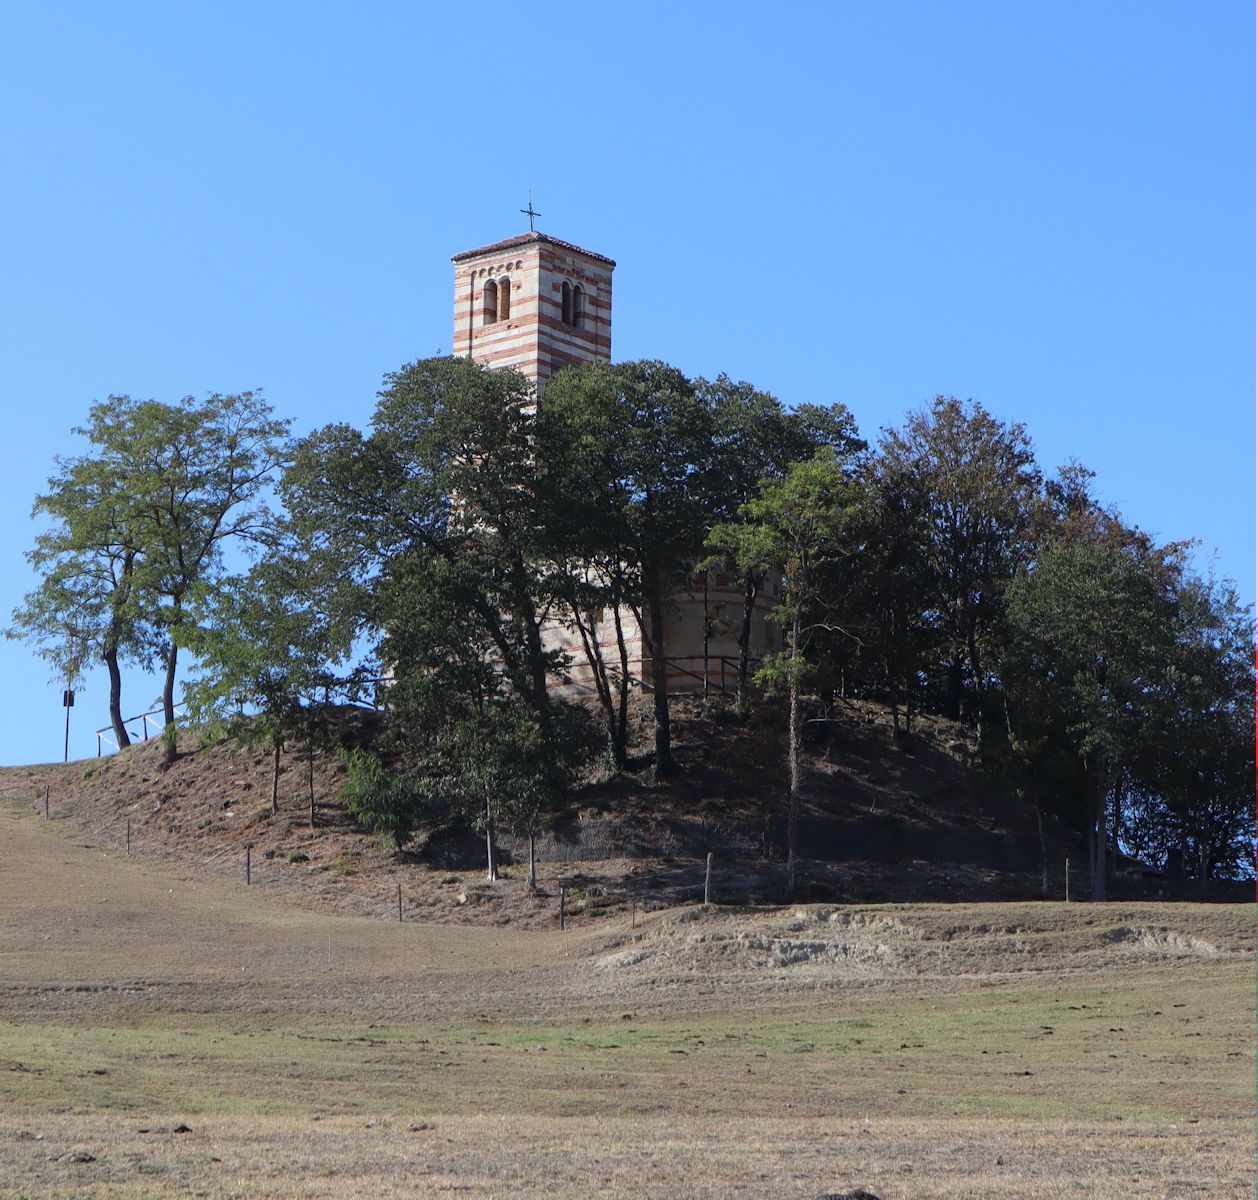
pixel 525 239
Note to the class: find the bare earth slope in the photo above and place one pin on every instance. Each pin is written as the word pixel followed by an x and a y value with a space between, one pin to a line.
pixel 884 819
pixel 936 1051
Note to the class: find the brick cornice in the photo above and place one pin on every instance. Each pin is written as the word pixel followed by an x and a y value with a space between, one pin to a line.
pixel 526 239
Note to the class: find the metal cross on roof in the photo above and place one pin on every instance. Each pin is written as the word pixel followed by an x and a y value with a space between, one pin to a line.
pixel 530 212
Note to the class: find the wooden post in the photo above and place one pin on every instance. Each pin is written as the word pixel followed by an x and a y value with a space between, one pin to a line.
pixel 1067 881
pixel 45 803
pixel 707 882
pixel 563 895
pixel 399 902
pixel 248 865
pixel 128 836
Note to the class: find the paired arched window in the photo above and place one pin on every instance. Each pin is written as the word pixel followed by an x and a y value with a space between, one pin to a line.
pixel 496 300
pixel 572 305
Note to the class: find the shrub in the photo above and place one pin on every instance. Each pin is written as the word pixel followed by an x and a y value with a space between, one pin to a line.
pixel 385 802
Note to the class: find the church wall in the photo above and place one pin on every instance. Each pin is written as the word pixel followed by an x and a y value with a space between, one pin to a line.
pixel 684 649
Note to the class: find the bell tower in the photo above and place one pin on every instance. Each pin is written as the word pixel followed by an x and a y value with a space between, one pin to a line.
pixel 533 303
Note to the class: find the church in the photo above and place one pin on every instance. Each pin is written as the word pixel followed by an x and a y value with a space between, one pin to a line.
pixel 536 304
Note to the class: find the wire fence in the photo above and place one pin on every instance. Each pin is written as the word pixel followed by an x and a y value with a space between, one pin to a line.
pixel 599 838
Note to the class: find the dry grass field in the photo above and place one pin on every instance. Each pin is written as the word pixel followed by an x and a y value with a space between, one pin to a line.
pixel 169 1032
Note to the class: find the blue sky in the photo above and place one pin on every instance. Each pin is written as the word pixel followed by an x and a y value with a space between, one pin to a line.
pixel 1047 208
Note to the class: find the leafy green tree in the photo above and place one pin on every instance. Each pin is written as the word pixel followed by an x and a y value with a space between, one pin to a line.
pixel 440 493
pixel 757 439
pixel 628 453
pixel 265 660
pixel 1092 633
pixel 801 524
pixel 197 473
pixel 89 605
pixel 967 488
pixel 884 588
pixel 139 526
pixel 1190 785
pixel 447 575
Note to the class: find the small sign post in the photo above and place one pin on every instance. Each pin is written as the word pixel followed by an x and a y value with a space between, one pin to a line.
pixel 67 702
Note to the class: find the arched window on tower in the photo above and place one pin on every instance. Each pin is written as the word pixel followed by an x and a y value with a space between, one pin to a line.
pixel 578 306
pixel 490 303
pixel 565 312
pixel 504 299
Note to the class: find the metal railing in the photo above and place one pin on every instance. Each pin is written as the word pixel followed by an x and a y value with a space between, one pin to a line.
pixel 104 735
pixel 716 672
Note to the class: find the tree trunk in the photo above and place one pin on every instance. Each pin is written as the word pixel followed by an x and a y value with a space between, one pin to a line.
pixel 310 779
pixel 532 859
pixel 170 732
pixel 1039 825
pixel 491 846
pixel 539 692
pixel 121 736
pixel 622 699
pixel 952 694
pixel 980 696
pixel 792 763
pixel 751 587
pixel 587 627
pixel 1101 810
pixel 275 777
pixel 113 637
pixel 664 764
pixel 598 671
pixel 908 703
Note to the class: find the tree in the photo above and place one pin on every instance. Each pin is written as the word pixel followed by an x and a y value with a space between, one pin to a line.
pixel 1092 631
pixel 446 572
pixel 800 525
pixel 756 439
pixel 139 524
pixel 88 606
pixel 265 660
pixel 885 586
pixel 441 493
pixel 967 486
pixel 196 473
pixel 1190 785
pixel 627 453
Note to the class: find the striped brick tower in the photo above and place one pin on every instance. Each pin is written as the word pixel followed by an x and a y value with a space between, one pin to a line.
pixel 533 303
pixel 537 304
